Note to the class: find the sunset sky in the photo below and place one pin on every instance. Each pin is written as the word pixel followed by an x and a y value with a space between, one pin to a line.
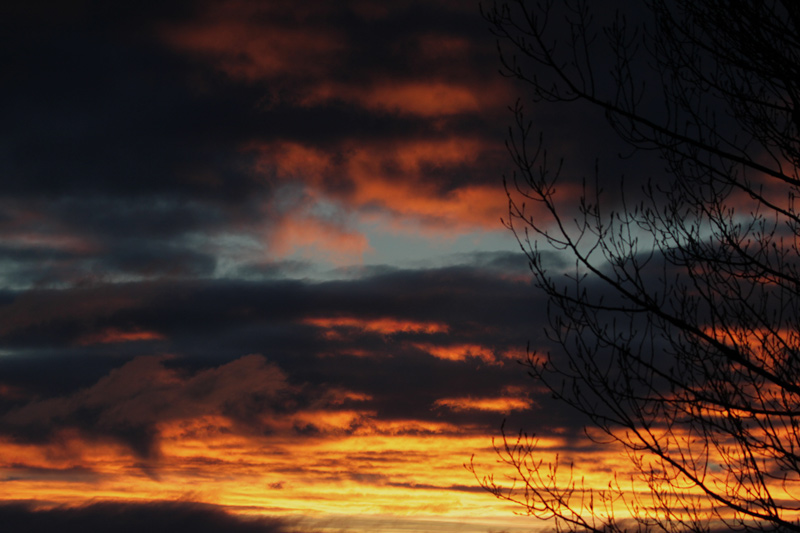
pixel 252 270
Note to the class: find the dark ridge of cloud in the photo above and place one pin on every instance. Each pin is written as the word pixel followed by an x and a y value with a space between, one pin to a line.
pixel 26 254
pixel 160 260
pixel 464 297
pixel 123 517
pixel 49 268
pixel 140 438
pixel 18 471
pixel 273 270
pixel 513 262
pixel 158 217
pixel 56 373
pixel 459 488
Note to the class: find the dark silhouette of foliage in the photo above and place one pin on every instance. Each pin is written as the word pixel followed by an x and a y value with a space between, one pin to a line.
pixel 679 326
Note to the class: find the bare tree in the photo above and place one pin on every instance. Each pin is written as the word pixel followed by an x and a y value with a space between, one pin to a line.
pixel 679 326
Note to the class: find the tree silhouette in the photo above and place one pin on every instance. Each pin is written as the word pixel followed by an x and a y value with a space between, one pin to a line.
pixel 679 326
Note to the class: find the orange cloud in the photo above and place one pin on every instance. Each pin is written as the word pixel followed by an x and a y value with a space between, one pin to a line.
pixel 765 345
pixel 501 404
pixel 458 352
pixel 311 237
pixel 376 185
pixel 297 48
pixel 367 162
pixel 115 335
pixel 393 176
pixel 426 98
pixel 336 396
pixel 382 326
pixel 240 39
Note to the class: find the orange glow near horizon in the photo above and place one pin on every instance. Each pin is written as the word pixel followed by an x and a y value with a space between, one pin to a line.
pixel 203 459
pixel 334 456
pixel 400 468
pixel 355 465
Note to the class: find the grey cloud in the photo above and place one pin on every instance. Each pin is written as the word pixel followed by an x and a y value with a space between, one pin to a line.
pixel 122 517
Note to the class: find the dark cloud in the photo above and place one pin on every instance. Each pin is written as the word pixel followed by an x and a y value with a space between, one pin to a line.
pixel 460 488
pixel 128 404
pixel 474 302
pixel 209 326
pixel 123 517
pixel 19 471
pixel 122 123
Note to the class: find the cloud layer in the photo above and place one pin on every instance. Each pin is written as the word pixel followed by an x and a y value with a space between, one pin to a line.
pixel 251 255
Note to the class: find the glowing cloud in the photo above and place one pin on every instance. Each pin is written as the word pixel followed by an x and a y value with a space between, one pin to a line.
pixel 420 98
pixel 382 326
pixel 502 404
pixel 390 178
pixel 312 237
pixel 458 352
pixel 115 335
pixel 235 36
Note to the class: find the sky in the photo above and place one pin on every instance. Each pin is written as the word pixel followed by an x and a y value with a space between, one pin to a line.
pixel 253 274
